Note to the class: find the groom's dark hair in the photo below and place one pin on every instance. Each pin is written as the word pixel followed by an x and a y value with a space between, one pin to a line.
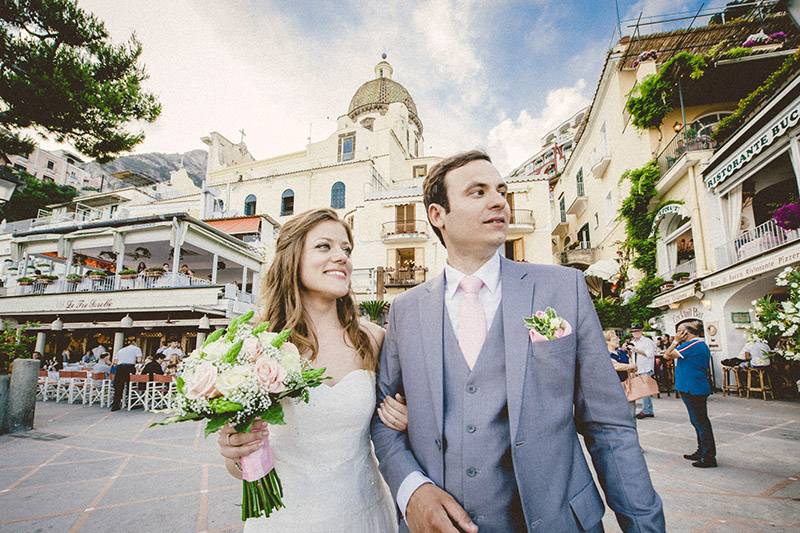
pixel 434 188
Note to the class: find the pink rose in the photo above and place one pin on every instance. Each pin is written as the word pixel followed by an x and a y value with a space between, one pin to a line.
pixel 564 330
pixel 270 374
pixel 200 383
pixel 539 314
pixel 251 348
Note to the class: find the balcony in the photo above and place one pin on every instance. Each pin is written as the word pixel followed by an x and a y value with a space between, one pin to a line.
pixel 600 159
pixel 111 283
pixel 521 221
pixel 578 205
pixel 561 226
pixel 404 277
pixel 582 254
pixel 677 276
pixel 679 154
pixel 404 231
pixel 753 242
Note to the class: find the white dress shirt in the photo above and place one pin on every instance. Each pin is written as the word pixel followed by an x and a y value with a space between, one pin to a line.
pixel 645 363
pixel 128 355
pixel 489 296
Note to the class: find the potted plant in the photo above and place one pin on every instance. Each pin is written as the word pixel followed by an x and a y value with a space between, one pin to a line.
pixel 154 272
pixel 128 273
pixel 680 277
pixel 787 216
pixel 97 275
pixel 667 285
pixel 374 309
pixel 25 280
pixel 46 278
pixel 74 278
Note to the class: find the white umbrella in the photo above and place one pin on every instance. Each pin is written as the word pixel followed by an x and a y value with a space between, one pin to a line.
pixel 597 273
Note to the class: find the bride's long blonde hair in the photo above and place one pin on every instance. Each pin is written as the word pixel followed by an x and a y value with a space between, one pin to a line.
pixel 281 291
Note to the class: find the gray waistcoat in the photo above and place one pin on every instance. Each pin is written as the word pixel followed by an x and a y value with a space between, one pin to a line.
pixel 478 471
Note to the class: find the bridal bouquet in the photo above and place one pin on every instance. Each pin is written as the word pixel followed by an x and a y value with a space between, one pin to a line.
pixel 238 376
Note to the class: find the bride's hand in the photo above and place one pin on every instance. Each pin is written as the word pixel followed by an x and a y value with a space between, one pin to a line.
pixel 234 446
pixel 394 413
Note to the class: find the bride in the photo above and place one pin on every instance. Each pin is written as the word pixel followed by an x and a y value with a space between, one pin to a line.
pixel 323 454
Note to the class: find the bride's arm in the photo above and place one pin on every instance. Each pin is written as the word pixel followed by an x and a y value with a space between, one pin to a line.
pixel 394 413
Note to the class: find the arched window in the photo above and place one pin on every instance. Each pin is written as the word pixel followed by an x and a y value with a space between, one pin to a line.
pixel 287 202
pixel 337 195
pixel 250 205
pixel 705 125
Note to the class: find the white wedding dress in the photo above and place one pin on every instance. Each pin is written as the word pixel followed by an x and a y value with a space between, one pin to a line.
pixel 325 461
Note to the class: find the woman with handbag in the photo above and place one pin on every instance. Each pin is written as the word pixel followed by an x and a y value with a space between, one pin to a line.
pixel 692 356
pixel 622 363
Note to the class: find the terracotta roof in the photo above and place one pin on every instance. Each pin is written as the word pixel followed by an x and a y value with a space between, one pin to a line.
pixel 236 226
pixel 701 39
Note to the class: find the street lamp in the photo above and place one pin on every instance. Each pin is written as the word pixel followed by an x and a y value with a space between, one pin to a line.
pixel 8 182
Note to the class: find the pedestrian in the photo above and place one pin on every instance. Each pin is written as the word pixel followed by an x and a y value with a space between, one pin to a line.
pixel 692 356
pixel 141 267
pixel 103 365
pixel 37 356
pixel 621 362
pixel 174 352
pixel 644 351
pixel 755 354
pixel 125 359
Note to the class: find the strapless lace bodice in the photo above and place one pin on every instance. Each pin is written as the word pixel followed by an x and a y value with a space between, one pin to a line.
pixel 324 458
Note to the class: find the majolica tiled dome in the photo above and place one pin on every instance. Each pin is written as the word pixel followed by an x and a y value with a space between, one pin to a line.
pixel 377 94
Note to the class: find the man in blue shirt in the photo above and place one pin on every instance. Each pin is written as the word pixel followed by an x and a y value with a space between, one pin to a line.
pixel 691 380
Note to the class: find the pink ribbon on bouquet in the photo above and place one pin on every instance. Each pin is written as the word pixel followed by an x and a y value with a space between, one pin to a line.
pixel 259 463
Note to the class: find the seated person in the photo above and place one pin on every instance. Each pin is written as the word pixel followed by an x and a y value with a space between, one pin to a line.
pixel 89 358
pixel 172 369
pixel 153 365
pixel 104 365
pixel 755 354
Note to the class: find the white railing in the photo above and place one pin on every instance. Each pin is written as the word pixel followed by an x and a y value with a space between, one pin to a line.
pixel 363 281
pixel 753 242
pixel 113 283
pixel 690 267
pixel 232 292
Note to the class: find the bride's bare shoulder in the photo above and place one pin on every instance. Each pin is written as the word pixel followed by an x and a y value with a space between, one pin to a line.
pixel 375 332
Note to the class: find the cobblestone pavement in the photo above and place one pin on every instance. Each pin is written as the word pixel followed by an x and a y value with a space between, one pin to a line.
pixel 86 469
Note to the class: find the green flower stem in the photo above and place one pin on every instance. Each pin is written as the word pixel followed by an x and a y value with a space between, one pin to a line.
pixel 262 497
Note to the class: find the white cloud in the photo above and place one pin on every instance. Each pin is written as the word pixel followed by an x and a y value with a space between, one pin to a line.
pixel 512 141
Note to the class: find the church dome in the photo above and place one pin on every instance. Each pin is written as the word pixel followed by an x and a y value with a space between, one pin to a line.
pixel 378 93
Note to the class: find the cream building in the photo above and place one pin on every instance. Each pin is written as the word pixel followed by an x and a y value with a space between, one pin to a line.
pixel 59 166
pixel 707 224
pixel 370 170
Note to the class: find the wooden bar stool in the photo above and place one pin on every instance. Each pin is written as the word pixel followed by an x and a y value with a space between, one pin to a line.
pixel 732 385
pixel 764 382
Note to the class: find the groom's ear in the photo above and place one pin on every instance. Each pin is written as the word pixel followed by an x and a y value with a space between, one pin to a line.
pixel 436 215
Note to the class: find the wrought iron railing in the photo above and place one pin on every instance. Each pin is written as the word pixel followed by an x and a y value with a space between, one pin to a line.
pixel 679 145
pixel 404 277
pixel 752 242
pixel 522 216
pixel 404 228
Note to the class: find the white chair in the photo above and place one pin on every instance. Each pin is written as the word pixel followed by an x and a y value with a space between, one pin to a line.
pixel 63 386
pixel 93 389
pixel 137 397
pixel 40 385
pixel 77 385
pixel 159 392
pixel 50 386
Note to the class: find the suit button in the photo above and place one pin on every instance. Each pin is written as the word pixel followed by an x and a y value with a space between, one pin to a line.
pixel 471 429
pixel 472 389
pixel 472 472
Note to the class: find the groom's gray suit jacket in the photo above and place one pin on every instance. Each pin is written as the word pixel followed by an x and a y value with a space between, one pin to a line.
pixel 554 390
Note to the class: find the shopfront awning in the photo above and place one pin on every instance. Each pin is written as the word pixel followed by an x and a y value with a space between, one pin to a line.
pixel 597 273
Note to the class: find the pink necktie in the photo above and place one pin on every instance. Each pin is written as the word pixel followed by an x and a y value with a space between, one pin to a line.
pixel 471 320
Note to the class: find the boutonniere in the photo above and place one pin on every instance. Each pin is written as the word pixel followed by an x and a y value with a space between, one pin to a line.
pixel 547 325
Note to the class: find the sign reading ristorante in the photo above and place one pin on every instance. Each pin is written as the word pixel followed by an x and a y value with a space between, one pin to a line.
pixel 766 136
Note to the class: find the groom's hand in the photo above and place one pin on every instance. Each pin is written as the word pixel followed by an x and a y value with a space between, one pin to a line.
pixel 430 509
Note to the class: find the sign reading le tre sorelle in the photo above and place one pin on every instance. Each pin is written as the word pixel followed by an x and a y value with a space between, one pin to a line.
pixel 768 135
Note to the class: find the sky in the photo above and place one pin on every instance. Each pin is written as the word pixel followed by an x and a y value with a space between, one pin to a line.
pixel 490 74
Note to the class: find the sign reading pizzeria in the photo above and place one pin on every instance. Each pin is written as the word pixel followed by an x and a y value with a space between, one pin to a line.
pixel 766 137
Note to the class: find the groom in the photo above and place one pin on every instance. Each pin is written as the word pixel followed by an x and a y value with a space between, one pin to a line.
pixel 492 441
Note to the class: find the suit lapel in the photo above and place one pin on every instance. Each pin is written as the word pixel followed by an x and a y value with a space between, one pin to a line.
pixel 517 302
pixel 431 314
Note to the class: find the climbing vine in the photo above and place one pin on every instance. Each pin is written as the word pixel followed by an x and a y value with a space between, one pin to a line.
pixel 651 100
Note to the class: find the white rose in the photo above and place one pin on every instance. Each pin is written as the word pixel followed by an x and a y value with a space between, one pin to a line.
pixel 200 382
pixel 251 348
pixel 216 350
pixel 231 379
pixel 266 338
pixel 290 357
